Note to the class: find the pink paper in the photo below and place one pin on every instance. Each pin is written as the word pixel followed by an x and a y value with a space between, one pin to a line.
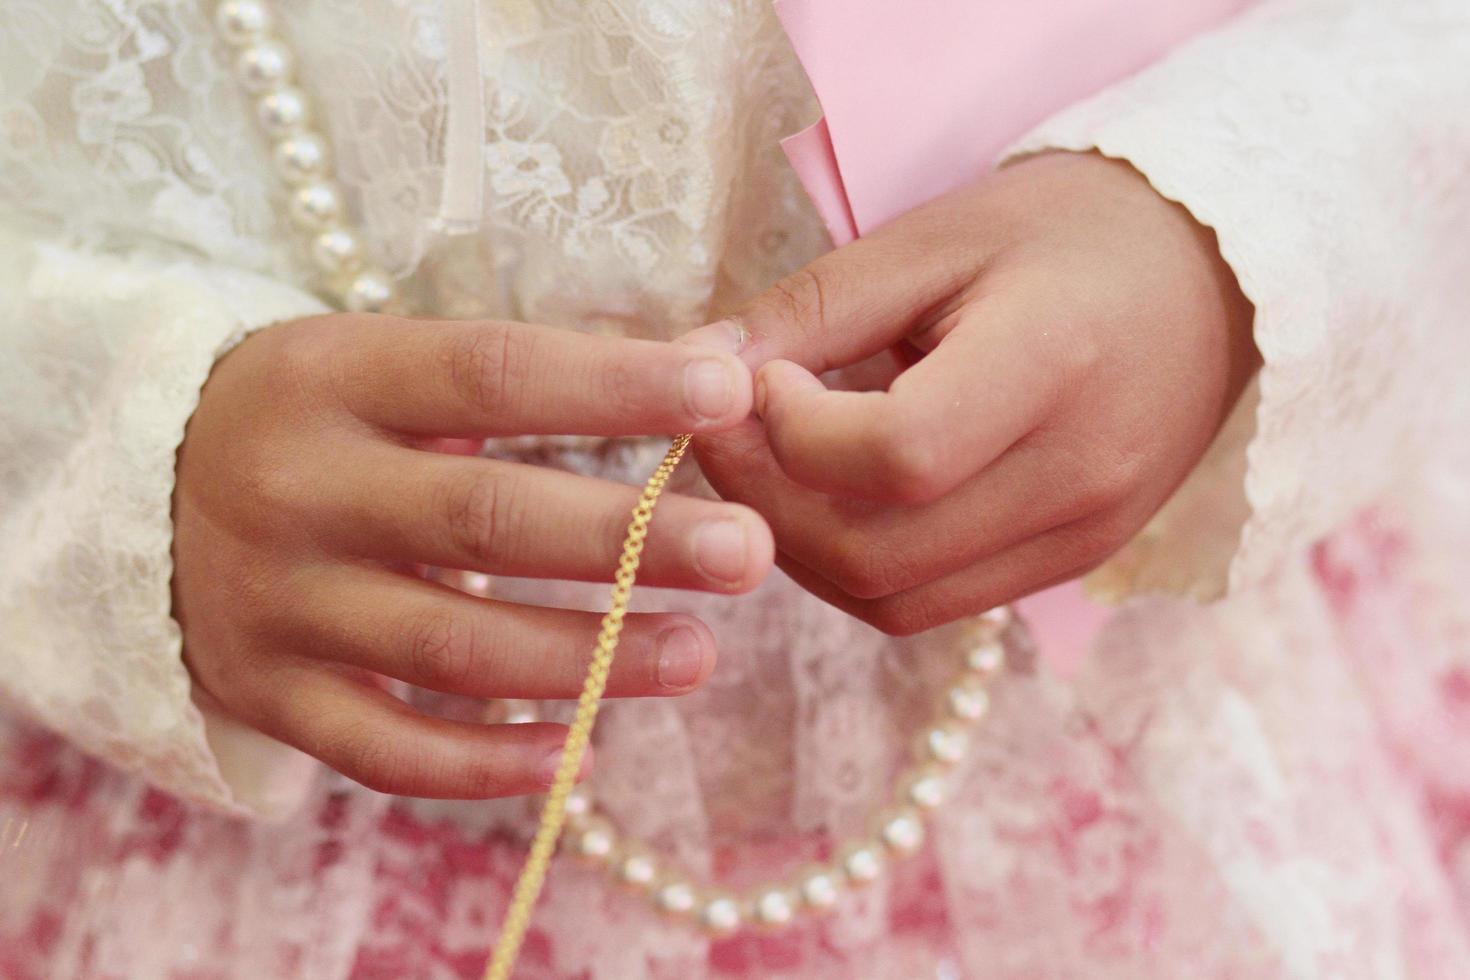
pixel 810 152
pixel 920 96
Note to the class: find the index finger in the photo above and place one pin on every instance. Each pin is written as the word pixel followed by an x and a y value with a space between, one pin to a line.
pixel 492 377
pixel 984 386
pixel 855 301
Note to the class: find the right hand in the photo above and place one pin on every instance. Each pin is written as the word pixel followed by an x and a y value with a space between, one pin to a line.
pixel 309 489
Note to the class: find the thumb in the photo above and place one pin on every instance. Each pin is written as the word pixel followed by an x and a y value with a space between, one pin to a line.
pixel 851 303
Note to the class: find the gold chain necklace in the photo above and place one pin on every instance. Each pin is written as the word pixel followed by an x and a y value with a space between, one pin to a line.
pixel 553 812
pixel 264 65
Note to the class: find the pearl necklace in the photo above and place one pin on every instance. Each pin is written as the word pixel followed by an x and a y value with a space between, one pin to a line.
pixel 897 829
pixel 264 65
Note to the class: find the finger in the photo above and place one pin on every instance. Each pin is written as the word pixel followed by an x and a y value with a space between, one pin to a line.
pixel 507 518
pixel 435 637
pixel 486 378
pixel 368 735
pixel 859 299
pixel 872 550
pixel 986 385
pixel 1055 556
pixel 455 447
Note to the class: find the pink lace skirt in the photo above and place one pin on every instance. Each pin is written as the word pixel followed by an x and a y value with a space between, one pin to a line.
pixel 1275 786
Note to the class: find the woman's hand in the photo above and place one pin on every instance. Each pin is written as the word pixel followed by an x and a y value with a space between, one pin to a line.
pixel 1065 343
pixel 308 489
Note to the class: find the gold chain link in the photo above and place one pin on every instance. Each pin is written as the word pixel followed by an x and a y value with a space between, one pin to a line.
pixel 553 813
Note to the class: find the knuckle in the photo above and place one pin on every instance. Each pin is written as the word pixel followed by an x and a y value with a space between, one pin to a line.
pixel 853 573
pixel 306 363
pixel 800 299
pixel 1078 352
pixel 489 366
pixel 898 617
pixel 265 608
pixel 611 525
pixel 370 756
pixel 440 650
pixel 1116 531
pixel 483 515
pixel 911 463
pixel 279 489
pixel 488 779
pixel 1110 483
pixel 865 569
pixel 299 346
pixel 728 464
pixel 239 675
pixel 1095 539
pixel 621 389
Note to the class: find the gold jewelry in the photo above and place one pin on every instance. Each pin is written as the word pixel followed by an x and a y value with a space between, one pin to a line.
pixel 553 813
pixel 897 829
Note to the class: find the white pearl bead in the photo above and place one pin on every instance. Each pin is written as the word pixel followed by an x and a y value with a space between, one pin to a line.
pixel 264 66
pixel 518 712
pixel 861 864
pixel 510 711
pixel 675 898
pixel 594 842
pixel 578 806
pixel 945 742
pixel 282 112
pixel 966 699
pixel 242 21
pixel 901 831
pixel 986 657
pixel 476 583
pixel 819 889
pixel 719 915
pixel 998 618
pixel 301 157
pixel 773 908
pixel 336 251
pixel 926 787
pixel 316 206
pixel 635 869
pixel 371 292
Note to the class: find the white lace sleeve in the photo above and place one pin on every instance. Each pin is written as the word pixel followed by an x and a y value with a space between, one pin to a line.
pixel 1327 142
pixel 102 357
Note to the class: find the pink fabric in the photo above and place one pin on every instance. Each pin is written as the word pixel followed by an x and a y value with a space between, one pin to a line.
pixel 1090 872
pixel 921 97
pixel 1064 622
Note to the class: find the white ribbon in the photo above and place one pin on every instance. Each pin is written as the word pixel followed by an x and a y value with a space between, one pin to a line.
pixel 462 198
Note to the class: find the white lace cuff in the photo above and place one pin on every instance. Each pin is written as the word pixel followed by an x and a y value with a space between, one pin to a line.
pixel 1326 142
pixel 102 358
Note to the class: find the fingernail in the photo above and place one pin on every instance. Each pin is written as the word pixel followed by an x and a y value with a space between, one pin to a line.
pixel 720 551
pixel 726 335
pixel 709 388
pixel 680 659
pixel 547 773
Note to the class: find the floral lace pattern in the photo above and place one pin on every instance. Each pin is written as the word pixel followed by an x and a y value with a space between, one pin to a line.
pixel 1352 337
pixel 1191 805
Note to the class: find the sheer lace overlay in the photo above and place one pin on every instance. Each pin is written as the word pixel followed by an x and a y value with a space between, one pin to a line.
pixel 1191 804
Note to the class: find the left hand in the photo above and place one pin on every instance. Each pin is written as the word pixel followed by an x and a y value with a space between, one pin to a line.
pixel 1061 343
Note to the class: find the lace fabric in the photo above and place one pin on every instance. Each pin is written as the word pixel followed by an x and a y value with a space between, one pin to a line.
pixel 1192 804
pixel 1351 336
pixel 1164 815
